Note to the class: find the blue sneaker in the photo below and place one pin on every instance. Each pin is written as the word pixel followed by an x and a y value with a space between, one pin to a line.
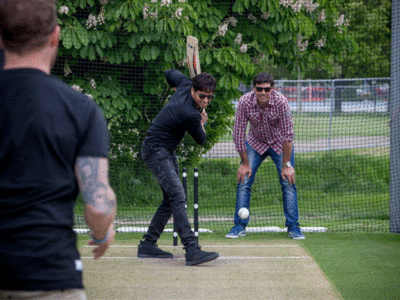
pixel 235 232
pixel 295 233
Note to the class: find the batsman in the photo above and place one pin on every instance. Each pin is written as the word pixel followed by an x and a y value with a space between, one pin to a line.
pixel 185 112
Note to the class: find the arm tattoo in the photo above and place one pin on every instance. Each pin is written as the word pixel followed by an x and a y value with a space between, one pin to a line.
pixel 94 187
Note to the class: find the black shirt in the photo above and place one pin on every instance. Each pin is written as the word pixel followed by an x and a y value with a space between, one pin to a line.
pixel 44 126
pixel 179 116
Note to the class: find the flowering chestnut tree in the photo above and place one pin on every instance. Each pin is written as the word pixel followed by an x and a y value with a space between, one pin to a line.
pixel 117 50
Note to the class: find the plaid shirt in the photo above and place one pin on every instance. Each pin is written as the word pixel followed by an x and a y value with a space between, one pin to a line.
pixel 269 128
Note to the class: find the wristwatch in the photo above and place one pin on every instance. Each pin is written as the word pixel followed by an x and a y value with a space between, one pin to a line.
pixel 288 164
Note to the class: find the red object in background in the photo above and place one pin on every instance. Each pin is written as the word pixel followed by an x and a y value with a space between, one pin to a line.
pixel 307 93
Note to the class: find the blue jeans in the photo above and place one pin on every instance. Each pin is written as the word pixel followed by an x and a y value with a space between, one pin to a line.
pixel 289 192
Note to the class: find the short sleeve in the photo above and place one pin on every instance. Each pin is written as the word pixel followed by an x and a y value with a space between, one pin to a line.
pixel 96 138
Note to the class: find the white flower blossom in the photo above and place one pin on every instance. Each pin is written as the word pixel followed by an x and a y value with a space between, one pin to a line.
pixel 67 69
pixel 91 21
pixel 300 44
pixel 103 2
pixel 93 83
pixel 265 16
pixel 183 1
pixel 252 18
pixel 166 2
pixel 178 13
pixel 222 30
pixel 310 6
pixel 90 96
pixel 321 42
pixel 145 12
pixel 339 21
pixel 77 88
pixel 101 18
pixel 321 16
pixel 243 48
pixel 230 21
pixel 153 1
pixel 238 39
pixel 297 5
pixel 63 10
pixel 153 16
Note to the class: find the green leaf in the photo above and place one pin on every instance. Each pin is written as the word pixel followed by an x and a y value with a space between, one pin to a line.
pixel 67 38
pixel 75 40
pixel 155 51
pixel 145 53
pixel 92 53
pixel 84 52
pixel 99 51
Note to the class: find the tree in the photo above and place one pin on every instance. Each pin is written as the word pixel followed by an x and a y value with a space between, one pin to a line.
pixel 117 50
pixel 370 23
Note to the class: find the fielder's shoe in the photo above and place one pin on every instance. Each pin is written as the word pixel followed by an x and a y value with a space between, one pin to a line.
pixel 194 255
pixel 295 233
pixel 235 232
pixel 148 249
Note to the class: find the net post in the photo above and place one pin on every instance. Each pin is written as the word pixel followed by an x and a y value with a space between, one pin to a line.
pixel 196 203
pixel 184 183
pixel 395 121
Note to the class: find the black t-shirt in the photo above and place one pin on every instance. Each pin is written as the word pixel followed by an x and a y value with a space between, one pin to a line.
pixel 44 126
pixel 176 118
pixel 1 59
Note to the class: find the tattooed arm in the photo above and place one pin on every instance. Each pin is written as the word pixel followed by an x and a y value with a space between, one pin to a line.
pixel 99 198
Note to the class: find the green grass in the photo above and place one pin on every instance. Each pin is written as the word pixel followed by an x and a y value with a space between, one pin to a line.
pixel 361 266
pixel 309 126
pixel 344 190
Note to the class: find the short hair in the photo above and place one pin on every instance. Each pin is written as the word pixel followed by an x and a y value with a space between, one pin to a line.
pixel 204 82
pixel 263 77
pixel 25 25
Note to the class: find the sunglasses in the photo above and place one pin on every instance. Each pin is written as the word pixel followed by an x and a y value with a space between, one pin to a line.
pixel 203 96
pixel 260 89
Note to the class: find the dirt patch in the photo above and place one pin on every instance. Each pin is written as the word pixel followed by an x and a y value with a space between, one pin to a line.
pixel 247 270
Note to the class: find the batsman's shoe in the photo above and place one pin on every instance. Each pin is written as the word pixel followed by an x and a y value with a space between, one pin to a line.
pixel 295 233
pixel 235 232
pixel 195 256
pixel 147 249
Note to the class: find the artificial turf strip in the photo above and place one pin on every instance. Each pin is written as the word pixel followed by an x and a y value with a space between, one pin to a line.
pixel 360 265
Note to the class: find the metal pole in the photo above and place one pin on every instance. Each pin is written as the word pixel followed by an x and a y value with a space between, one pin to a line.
pixel 395 121
pixel 196 203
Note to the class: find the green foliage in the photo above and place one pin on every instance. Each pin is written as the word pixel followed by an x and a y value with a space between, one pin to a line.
pixel 117 52
pixel 370 24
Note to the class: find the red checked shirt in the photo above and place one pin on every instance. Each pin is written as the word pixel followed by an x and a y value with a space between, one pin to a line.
pixel 269 128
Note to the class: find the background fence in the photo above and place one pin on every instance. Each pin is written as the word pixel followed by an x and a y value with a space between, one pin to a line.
pixel 116 51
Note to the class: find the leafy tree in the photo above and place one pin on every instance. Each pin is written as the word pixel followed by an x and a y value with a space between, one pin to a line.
pixel 370 23
pixel 117 50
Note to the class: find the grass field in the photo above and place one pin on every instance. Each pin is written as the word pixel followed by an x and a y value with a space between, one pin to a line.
pixel 308 126
pixel 354 266
pixel 343 190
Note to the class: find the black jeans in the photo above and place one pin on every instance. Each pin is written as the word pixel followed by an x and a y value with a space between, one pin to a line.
pixel 164 166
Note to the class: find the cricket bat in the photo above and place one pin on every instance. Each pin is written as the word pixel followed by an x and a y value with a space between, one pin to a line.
pixel 193 59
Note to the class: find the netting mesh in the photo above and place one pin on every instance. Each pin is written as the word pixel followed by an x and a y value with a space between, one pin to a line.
pixel 395 122
pixel 116 51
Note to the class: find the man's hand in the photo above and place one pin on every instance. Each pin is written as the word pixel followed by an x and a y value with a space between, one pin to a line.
pixel 288 174
pixel 244 170
pixel 100 249
pixel 204 117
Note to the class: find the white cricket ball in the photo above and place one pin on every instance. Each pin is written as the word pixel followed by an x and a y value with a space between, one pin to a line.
pixel 243 213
